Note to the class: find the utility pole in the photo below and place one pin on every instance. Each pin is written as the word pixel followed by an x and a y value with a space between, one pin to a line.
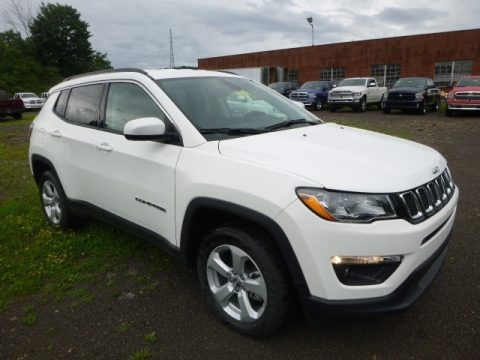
pixel 172 59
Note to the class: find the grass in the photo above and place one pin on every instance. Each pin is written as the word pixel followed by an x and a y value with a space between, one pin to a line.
pixel 37 259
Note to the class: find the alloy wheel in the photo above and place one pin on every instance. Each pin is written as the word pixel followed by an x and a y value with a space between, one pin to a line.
pixel 236 283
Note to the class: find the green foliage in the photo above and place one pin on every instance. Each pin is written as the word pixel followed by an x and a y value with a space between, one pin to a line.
pixel 37 259
pixel 61 39
pixel 19 70
pixel 58 47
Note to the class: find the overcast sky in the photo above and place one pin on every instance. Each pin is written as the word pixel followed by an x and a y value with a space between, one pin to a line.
pixel 135 33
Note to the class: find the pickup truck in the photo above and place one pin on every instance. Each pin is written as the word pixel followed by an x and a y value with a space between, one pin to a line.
pixel 356 93
pixel 413 93
pixel 312 94
pixel 31 101
pixel 465 96
pixel 10 107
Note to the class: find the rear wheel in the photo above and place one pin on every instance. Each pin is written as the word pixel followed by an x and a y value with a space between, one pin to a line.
pixel 54 202
pixel 380 104
pixel 243 280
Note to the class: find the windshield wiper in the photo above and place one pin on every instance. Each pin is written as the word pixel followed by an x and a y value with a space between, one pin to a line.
pixel 232 131
pixel 289 123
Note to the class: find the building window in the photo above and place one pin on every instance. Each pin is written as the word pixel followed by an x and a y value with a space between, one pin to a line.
pixel 292 75
pixel 447 72
pixel 332 74
pixel 386 74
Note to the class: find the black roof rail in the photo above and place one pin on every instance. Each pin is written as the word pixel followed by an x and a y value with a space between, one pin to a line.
pixel 107 72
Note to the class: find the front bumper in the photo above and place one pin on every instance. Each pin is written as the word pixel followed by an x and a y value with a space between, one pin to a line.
pixel 33 106
pixel 403 105
pixel 464 106
pixel 315 241
pixel 403 297
pixel 344 102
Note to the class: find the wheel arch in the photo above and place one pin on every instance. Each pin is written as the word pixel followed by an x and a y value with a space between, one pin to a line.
pixel 203 214
pixel 40 164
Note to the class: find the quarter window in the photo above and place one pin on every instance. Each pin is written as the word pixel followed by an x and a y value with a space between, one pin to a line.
pixel 83 104
pixel 61 105
pixel 126 102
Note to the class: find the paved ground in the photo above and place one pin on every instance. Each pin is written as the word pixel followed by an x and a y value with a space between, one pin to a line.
pixel 443 324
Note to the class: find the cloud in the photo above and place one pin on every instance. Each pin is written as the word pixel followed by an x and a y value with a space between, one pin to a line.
pixel 136 33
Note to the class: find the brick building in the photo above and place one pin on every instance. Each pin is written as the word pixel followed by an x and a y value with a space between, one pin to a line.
pixel 442 56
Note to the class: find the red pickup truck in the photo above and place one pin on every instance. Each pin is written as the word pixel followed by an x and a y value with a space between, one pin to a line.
pixel 465 96
pixel 10 107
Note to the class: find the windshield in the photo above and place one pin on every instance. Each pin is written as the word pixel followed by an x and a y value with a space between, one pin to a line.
pixel 469 82
pixel 228 103
pixel 352 82
pixel 28 95
pixel 314 85
pixel 409 82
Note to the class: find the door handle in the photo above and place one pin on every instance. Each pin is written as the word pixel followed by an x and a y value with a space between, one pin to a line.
pixel 55 133
pixel 104 147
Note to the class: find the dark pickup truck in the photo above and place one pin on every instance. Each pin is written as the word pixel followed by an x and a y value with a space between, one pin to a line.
pixel 10 107
pixel 413 93
pixel 313 94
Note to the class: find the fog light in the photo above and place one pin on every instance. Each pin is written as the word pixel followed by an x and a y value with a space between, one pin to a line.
pixel 364 270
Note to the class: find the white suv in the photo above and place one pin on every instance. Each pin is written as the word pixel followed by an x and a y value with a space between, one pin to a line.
pixel 273 206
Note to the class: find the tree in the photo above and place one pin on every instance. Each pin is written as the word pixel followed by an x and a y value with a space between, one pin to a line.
pixel 61 39
pixel 19 70
pixel 19 15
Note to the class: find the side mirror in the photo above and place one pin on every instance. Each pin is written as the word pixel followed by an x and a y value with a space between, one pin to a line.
pixel 334 86
pixel 142 129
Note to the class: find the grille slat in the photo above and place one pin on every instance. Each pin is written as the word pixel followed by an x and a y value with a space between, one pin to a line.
pixel 424 201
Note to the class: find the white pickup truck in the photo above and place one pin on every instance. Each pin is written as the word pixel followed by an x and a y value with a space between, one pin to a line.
pixel 356 93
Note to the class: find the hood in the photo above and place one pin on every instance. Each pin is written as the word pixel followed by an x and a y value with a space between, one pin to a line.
pixel 465 88
pixel 340 158
pixel 407 89
pixel 309 91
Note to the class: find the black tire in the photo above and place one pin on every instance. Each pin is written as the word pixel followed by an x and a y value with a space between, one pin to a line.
pixel 54 202
pixel 380 104
pixel 423 109
pixel 386 111
pixel 362 107
pixel 435 106
pixel 17 116
pixel 259 258
pixel 448 112
pixel 317 106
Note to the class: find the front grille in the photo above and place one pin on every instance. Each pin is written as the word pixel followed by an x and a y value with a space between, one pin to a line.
pixel 299 96
pixel 424 201
pixel 399 96
pixel 467 95
pixel 340 94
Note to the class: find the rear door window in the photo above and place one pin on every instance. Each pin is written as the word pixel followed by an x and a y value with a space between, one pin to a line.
pixel 84 103
pixel 61 104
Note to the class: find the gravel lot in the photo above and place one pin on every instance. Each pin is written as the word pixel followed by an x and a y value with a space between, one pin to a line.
pixel 443 324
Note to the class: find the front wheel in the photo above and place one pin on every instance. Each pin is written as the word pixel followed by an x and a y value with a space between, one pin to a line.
pixel 318 105
pixel 362 107
pixel 243 280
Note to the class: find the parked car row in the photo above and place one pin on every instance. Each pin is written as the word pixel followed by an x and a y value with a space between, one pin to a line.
pixel 417 94
pixel 31 101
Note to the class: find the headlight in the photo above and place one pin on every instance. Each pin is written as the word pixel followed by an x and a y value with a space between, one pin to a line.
pixel 450 95
pixel 419 96
pixel 357 94
pixel 347 207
